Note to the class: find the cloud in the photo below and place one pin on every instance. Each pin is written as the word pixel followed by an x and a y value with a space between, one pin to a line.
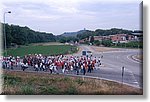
pixel 57 16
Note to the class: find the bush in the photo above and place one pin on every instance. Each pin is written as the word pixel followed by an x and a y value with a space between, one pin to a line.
pixel 132 44
pixel 97 42
pixel 106 43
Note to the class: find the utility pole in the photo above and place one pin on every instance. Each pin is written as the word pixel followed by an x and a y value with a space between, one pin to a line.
pixel 5 45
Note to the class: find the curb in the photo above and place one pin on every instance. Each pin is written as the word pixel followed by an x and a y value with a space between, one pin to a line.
pixel 135 59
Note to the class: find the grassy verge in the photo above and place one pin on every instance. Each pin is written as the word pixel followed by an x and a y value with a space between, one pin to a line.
pixel 42 49
pixel 140 57
pixel 48 84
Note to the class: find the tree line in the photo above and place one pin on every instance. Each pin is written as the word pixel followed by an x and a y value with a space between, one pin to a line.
pixel 101 32
pixel 86 34
pixel 24 35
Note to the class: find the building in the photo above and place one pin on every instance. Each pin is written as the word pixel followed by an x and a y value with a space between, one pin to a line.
pixel 138 36
pixel 100 38
pixel 118 38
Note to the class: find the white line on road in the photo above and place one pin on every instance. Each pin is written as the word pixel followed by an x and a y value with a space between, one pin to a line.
pixel 128 57
pixel 133 77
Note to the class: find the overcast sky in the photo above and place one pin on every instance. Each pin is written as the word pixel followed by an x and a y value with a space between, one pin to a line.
pixel 59 16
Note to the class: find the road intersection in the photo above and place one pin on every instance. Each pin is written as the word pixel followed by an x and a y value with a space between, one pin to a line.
pixel 112 63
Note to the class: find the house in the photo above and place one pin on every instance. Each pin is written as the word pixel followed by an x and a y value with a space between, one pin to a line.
pixel 82 41
pixel 100 38
pixel 138 35
pixel 106 37
pixel 119 38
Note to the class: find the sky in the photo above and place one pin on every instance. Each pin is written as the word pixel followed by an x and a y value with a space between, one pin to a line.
pixel 59 16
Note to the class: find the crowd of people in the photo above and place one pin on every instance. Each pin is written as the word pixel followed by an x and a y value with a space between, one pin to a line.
pixel 53 64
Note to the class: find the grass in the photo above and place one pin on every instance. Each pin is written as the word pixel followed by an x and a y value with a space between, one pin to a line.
pixel 42 49
pixel 48 84
pixel 11 80
pixel 140 57
pixel 27 90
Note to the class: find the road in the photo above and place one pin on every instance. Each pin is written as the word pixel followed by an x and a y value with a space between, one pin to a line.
pixel 112 63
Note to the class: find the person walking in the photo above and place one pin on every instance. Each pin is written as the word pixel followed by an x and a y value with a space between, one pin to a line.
pixel 36 67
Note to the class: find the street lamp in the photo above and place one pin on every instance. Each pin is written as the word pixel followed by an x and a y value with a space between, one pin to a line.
pixel 5 47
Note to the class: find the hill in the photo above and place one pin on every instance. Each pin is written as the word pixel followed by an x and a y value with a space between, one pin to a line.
pixel 72 34
pixel 16 34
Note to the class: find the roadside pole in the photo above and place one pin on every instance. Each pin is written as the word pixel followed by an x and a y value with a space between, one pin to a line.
pixel 122 74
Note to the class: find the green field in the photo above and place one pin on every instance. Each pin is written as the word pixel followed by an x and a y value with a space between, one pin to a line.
pixel 42 49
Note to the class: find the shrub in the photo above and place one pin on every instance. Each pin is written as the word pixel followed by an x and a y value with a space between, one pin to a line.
pixel 97 42
pixel 106 43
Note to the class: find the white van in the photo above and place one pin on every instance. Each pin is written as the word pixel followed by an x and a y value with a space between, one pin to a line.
pixel 86 53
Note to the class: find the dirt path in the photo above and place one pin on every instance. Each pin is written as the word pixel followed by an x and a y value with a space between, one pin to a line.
pixel 104 49
pixel 48 43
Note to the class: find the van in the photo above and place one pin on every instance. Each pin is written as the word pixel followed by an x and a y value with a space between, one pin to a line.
pixel 86 53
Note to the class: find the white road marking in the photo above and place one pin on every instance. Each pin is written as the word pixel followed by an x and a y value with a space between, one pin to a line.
pixel 135 82
pixel 133 77
pixel 119 51
pixel 133 56
pixel 128 57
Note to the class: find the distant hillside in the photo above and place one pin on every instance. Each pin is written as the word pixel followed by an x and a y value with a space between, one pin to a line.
pixel 83 34
pixel 101 32
pixel 72 34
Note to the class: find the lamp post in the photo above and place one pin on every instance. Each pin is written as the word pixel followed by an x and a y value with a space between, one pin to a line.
pixel 5 46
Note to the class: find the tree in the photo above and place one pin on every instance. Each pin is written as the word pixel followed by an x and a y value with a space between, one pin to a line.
pixel 24 35
pixel 97 42
pixel 106 43
pixel 91 39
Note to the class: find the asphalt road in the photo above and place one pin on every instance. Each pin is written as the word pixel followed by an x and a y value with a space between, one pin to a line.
pixel 112 63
